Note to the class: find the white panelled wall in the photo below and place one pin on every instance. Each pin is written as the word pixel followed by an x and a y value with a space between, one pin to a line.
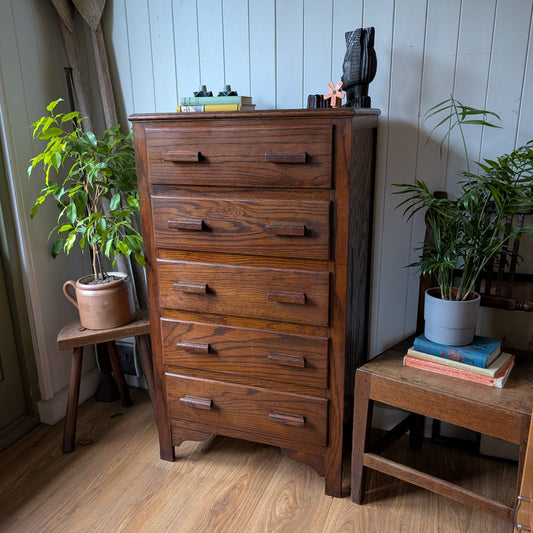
pixel 279 51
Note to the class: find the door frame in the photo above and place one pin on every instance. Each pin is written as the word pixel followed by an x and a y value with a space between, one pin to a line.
pixel 19 314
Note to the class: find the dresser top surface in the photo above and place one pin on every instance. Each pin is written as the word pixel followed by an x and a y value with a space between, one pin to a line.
pixel 273 113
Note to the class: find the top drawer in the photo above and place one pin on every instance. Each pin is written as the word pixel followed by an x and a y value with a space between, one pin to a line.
pixel 244 155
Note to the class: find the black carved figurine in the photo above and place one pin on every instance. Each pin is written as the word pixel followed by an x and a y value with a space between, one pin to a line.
pixel 359 67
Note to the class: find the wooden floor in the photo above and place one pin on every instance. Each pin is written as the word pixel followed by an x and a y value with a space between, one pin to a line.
pixel 114 481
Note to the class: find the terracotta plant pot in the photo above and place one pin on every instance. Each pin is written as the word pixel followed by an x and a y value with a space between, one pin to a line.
pixel 448 321
pixel 102 305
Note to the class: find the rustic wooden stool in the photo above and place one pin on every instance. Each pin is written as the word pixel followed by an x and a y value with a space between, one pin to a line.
pixel 503 413
pixel 74 336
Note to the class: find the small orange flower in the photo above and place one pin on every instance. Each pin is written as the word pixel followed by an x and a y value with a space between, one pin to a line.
pixel 335 94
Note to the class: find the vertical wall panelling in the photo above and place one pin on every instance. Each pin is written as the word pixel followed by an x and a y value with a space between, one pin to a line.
pixel 406 76
pixel 506 73
pixel 278 51
pixel 525 120
pixel 317 48
pixel 211 44
pixel 186 47
pixel 164 63
pixel 263 53
pixel 347 16
pixel 442 24
pixel 118 53
pixel 142 68
pixel 236 46
pixel 289 54
pixel 474 50
pixel 379 14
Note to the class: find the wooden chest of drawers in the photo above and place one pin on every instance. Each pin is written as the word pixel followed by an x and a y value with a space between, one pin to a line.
pixel 257 238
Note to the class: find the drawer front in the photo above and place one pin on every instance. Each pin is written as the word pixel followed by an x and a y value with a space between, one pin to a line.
pixel 299 296
pixel 289 417
pixel 274 228
pixel 265 355
pixel 247 155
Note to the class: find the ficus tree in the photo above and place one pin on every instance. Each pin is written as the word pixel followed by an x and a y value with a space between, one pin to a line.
pixel 93 182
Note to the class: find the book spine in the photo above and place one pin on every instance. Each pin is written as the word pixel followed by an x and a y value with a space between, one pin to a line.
pixel 500 381
pixel 456 353
pixel 503 359
pixel 422 364
pixel 206 100
pixel 207 108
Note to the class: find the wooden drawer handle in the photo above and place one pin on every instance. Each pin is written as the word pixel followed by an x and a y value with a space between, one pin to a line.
pixel 196 402
pixel 295 157
pixel 288 420
pixel 194 224
pixel 182 157
pixel 195 347
pixel 192 287
pixel 286 359
pixel 296 230
pixel 287 297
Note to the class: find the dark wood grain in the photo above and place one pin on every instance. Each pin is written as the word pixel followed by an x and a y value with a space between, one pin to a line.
pixel 250 409
pixel 259 227
pixel 270 212
pixel 298 359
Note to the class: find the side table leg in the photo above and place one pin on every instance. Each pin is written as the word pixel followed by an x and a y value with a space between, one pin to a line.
pixel 69 432
pixel 122 386
pixel 362 420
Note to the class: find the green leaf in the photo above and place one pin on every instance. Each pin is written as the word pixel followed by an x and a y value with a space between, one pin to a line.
pixel 91 137
pixel 115 202
pixel 49 133
pixel 52 105
pixel 70 116
pixel 57 247
pixel 71 212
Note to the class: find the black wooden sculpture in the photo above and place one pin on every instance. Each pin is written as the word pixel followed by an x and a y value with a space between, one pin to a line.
pixel 359 67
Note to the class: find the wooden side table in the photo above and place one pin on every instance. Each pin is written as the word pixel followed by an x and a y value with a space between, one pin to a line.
pixel 74 336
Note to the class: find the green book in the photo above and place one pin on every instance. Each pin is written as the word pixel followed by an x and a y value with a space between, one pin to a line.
pixel 207 100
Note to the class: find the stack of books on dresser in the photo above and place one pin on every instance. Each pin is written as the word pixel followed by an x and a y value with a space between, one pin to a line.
pixel 209 104
pixel 482 361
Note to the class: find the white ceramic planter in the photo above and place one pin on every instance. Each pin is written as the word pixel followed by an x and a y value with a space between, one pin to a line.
pixel 448 321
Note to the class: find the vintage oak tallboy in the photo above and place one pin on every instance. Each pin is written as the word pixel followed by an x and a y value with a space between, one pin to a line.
pixel 257 235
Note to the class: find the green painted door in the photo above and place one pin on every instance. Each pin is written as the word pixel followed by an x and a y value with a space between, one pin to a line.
pixel 11 389
pixel 18 376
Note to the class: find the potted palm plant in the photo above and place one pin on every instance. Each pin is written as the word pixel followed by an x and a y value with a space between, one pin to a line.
pixel 92 180
pixel 471 230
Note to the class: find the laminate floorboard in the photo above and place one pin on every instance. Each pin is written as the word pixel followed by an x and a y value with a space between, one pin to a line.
pixel 114 481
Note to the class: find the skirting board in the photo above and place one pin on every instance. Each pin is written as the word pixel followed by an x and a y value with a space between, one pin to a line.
pixel 53 410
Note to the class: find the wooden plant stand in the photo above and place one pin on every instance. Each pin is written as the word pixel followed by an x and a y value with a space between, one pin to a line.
pixel 74 336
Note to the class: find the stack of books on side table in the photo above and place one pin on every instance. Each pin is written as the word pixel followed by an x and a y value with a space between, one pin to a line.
pixel 482 361
pixel 199 104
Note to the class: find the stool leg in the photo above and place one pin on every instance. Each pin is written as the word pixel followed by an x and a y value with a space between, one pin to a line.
pixel 416 432
pixel 362 420
pixel 69 432
pixel 145 353
pixel 122 386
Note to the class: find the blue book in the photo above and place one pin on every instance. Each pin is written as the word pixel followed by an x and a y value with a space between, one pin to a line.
pixel 481 352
